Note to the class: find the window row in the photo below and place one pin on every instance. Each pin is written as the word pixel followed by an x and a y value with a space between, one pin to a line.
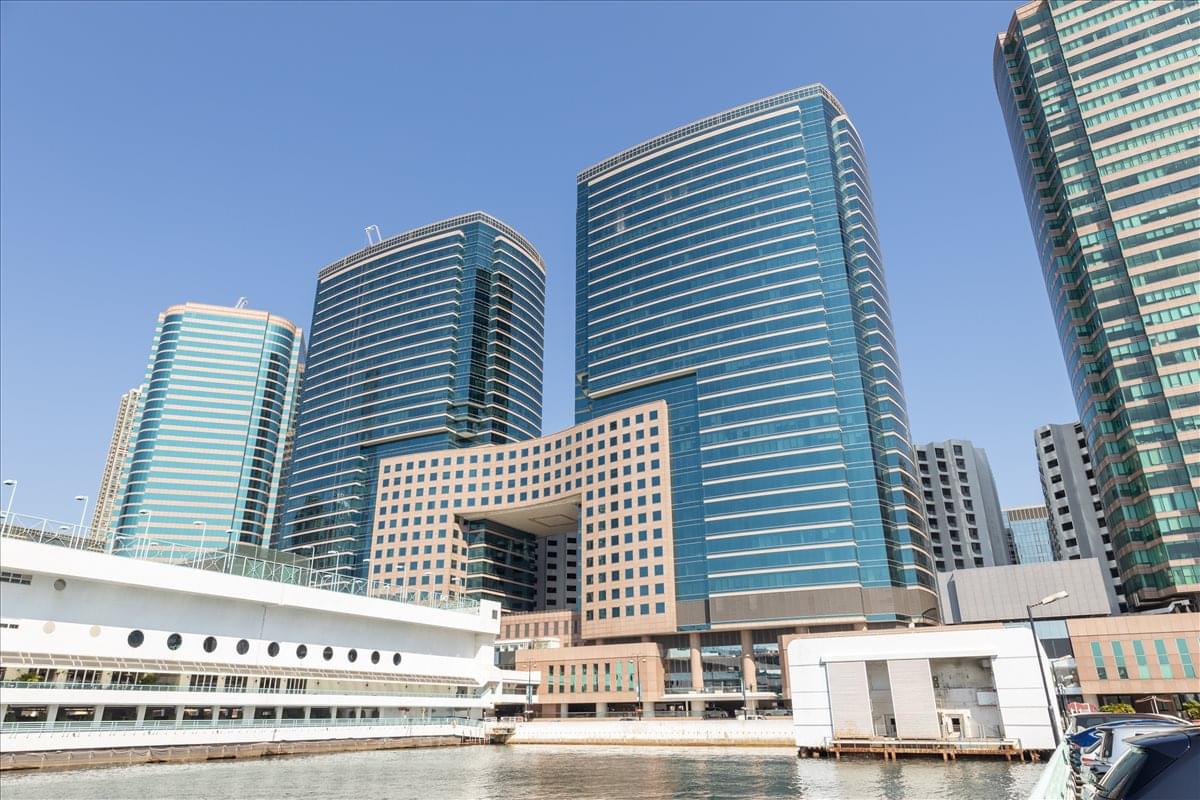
pixel 137 638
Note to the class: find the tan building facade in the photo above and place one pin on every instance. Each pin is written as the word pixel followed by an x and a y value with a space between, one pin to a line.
pixel 562 627
pixel 599 678
pixel 109 494
pixel 1131 658
pixel 466 521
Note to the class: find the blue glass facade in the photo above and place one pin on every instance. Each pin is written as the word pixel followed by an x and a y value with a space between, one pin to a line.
pixel 1102 106
pixel 427 340
pixel 208 451
pixel 1029 527
pixel 731 268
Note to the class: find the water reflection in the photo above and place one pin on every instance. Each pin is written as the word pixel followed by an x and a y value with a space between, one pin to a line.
pixel 540 773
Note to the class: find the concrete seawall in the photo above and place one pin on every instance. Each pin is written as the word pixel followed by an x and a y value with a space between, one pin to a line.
pixel 72 759
pixel 672 732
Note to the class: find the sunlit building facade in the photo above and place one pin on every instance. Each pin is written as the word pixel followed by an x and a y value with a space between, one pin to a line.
pixel 1102 104
pixel 112 480
pixel 966 525
pixel 731 269
pixel 1029 529
pixel 206 459
pixel 427 340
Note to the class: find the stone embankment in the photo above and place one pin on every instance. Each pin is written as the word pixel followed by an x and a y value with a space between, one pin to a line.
pixel 68 759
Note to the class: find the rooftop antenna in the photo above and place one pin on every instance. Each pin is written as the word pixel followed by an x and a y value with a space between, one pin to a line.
pixel 241 303
pixel 377 238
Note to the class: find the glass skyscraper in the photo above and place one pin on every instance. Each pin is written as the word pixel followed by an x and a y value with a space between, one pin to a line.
pixel 1102 104
pixel 731 268
pixel 1029 527
pixel 424 341
pixel 213 415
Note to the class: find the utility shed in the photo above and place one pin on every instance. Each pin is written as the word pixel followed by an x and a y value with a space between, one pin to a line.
pixel 966 684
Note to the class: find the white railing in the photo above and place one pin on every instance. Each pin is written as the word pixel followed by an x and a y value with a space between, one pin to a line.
pixel 227 561
pixel 11 728
pixel 468 693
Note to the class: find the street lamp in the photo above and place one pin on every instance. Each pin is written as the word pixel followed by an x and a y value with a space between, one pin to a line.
pixel 529 681
pixel 203 534
pixel 145 531
pixel 12 492
pixel 82 514
pixel 1037 648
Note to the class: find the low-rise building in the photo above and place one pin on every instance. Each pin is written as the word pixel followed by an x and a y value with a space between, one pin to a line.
pixel 961 685
pixel 1002 594
pixel 1149 661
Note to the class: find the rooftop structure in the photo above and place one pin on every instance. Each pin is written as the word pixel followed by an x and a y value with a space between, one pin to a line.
pixel 1000 594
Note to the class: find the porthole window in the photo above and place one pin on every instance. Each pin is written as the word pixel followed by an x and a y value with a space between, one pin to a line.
pixel 352 655
pixel 301 650
pixel 273 649
pixel 375 657
pixel 174 641
pixel 136 638
pixel 243 647
pixel 396 659
pixel 327 654
pixel 210 643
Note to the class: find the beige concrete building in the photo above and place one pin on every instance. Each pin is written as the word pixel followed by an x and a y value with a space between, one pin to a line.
pixel 109 494
pixel 558 628
pixel 467 521
pixel 477 521
pixel 1131 658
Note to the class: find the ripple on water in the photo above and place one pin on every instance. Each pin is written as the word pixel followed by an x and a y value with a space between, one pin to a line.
pixel 538 772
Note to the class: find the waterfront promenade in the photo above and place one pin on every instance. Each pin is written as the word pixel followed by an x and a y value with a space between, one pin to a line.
pixel 648 732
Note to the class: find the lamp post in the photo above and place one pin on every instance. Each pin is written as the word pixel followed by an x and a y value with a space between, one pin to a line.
pixel 203 534
pixel 1037 648
pixel 82 514
pixel 529 681
pixel 637 666
pixel 145 531
pixel 12 492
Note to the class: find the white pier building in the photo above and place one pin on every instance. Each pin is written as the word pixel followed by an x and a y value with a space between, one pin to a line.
pixel 207 647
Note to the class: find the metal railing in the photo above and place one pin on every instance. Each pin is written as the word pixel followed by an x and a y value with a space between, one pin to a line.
pixel 175 687
pixel 68 726
pixel 226 561
pixel 931 745
pixel 733 687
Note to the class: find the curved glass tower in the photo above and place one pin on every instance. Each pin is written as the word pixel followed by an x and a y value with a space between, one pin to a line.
pixel 731 268
pixel 214 413
pixel 424 341
pixel 1102 106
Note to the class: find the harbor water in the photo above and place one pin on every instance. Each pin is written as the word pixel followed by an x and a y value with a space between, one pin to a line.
pixel 538 772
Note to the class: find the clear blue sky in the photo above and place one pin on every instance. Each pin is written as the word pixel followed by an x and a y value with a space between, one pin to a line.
pixel 155 153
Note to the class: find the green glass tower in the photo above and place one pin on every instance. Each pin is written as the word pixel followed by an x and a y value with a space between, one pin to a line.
pixel 209 444
pixel 1102 104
